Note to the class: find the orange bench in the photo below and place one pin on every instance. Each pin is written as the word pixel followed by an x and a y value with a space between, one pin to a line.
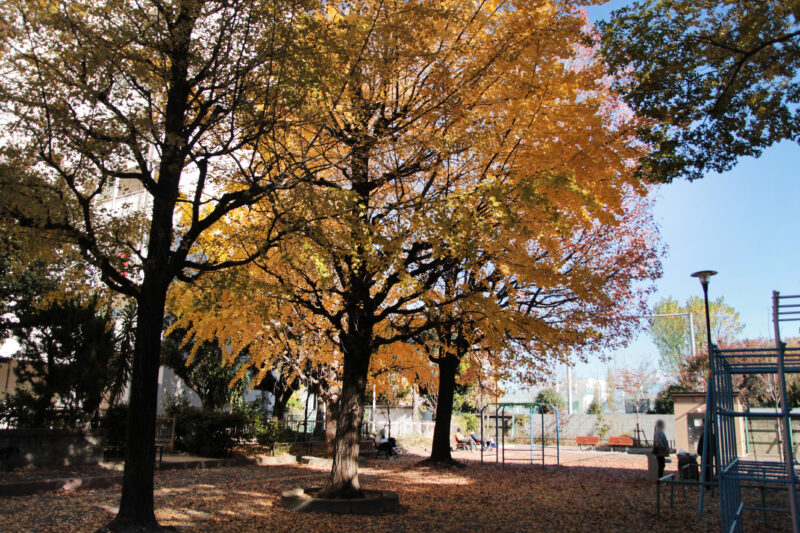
pixel 620 441
pixel 461 445
pixel 589 440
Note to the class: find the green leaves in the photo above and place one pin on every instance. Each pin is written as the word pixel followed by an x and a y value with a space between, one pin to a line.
pixel 718 78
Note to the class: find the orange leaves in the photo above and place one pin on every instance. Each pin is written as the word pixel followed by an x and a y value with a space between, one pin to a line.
pixel 462 163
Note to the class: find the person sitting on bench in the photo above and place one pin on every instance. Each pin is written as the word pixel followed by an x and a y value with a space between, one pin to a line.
pixel 479 442
pixel 384 444
pixel 463 439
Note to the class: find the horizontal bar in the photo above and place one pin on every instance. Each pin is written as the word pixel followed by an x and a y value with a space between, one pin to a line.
pixel 778 414
pixel 781 296
pixel 687 482
pixel 781 313
pixel 766 509
pixel 749 469
pixel 763 370
pixel 756 350
pixel 789 320
pixel 788 305
pixel 750 477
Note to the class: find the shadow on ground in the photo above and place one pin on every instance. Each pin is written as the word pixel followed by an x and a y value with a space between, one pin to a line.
pixel 597 492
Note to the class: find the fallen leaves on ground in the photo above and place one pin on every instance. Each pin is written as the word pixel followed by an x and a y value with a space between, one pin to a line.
pixel 589 491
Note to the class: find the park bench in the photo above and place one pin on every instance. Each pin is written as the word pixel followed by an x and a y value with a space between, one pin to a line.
pixel 164 438
pixel 625 442
pixel 588 440
pixel 165 435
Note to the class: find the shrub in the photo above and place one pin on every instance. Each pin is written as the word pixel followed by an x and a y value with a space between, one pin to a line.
pixel 16 410
pixel 467 422
pixel 471 422
pixel 602 428
pixel 176 404
pixel 595 408
pixel 255 415
pixel 273 431
pixel 204 433
pixel 550 396
pixel 114 425
pixel 664 404
pixel 208 434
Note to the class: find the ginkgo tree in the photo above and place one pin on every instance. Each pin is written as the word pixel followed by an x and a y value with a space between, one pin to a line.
pixel 182 99
pixel 448 128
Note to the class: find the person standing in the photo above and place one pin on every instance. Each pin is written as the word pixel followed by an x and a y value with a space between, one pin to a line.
pixel 709 467
pixel 660 447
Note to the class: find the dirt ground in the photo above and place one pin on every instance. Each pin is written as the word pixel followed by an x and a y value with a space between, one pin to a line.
pixel 592 491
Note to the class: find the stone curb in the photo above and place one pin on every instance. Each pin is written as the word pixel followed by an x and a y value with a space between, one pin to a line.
pixel 315 461
pixel 375 502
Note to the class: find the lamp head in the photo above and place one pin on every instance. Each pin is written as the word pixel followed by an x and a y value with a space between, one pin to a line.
pixel 704 276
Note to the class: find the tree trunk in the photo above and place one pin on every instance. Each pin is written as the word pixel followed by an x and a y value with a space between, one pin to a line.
pixel 343 481
pixel 282 393
pixel 331 416
pixel 136 511
pixel 440 449
pixel 319 419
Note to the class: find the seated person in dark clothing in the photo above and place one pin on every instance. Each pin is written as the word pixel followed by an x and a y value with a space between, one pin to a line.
pixel 384 444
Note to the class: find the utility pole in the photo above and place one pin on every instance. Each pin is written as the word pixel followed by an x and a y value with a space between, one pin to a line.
pixel 569 389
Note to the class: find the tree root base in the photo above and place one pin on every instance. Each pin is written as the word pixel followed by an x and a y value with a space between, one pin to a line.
pixel 373 502
pixel 128 527
pixel 441 463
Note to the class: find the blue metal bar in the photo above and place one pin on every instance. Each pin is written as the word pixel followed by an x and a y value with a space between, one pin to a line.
pixel 530 423
pixel 788 453
pixel 499 416
pixel 707 429
pixel 558 436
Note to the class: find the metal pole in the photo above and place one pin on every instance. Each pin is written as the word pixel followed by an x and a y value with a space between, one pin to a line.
pixel 558 437
pixel 504 434
pixel 708 433
pixel 541 413
pixel 530 423
pixel 788 456
pixel 497 434
pixel 691 334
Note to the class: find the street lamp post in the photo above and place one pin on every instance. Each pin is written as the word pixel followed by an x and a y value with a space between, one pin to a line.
pixel 708 435
pixel 704 276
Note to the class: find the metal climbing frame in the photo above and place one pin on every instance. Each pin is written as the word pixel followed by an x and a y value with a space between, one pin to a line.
pixel 537 453
pixel 733 469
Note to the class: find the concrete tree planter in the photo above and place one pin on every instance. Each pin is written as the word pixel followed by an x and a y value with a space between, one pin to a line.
pixel 374 502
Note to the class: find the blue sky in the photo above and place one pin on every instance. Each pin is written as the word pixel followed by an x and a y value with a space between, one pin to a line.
pixel 743 223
